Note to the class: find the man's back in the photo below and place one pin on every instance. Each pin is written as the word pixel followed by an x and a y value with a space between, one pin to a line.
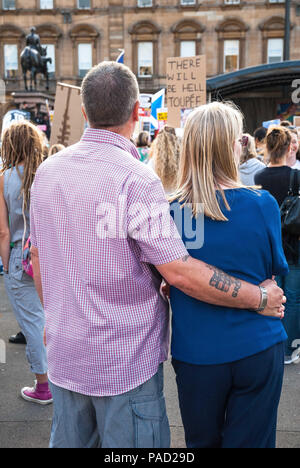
pixel 107 326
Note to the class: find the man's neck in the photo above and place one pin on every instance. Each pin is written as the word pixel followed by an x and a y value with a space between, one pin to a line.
pixel 124 131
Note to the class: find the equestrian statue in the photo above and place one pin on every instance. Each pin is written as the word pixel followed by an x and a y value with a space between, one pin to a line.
pixel 34 59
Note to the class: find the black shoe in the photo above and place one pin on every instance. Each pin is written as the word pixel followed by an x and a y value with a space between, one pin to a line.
pixel 19 338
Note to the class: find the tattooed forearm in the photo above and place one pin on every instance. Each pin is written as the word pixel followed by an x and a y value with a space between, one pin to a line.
pixel 223 282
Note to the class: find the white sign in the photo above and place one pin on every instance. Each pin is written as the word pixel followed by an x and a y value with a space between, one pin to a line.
pixel 14 116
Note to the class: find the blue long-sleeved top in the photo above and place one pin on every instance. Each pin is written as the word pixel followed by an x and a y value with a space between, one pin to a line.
pixel 248 246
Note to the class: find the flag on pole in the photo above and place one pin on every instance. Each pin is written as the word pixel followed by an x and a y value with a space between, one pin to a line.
pixel 158 102
pixel 120 59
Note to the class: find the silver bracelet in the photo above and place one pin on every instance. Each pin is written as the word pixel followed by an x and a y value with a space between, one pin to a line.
pixel 263 300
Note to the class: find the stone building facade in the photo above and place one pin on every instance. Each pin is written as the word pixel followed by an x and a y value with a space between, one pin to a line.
pixel 80 33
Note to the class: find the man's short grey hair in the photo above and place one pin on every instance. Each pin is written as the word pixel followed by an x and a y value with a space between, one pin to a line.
pixel 109 93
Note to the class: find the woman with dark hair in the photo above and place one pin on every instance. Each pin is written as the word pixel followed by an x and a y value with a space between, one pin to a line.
pixel 143 145
pixel 276 179
pixel 249 163
pixel 22 153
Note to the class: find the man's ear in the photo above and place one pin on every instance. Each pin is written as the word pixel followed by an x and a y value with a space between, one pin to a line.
pixel 135 112
pixel 84 113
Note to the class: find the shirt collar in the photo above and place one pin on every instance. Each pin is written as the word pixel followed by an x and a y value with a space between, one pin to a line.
pixel 111 138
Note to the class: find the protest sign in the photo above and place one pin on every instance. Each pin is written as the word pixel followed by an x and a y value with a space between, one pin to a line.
pixel 296 121
pixel 268 123
pixel 186 86
pixel 14 115
pixel 162 117
pixel 68 121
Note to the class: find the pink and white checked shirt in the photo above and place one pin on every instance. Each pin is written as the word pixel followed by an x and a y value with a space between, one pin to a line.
pixel 106 323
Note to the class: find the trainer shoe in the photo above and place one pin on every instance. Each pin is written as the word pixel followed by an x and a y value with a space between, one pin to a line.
pixel 40 394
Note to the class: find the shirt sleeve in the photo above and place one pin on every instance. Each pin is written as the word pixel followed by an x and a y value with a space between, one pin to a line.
pixel 151 226
pixel 272 217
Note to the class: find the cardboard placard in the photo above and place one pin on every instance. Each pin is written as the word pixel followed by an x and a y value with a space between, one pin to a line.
pixel 68 121
pixel 296 121
pixel 186 86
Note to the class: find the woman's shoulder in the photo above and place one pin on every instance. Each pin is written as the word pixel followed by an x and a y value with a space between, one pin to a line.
pixel 257 196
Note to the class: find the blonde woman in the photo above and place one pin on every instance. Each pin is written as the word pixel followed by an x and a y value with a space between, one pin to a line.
pixel 249 164
pixel 22 153
pixel 164 158
pixel 228 362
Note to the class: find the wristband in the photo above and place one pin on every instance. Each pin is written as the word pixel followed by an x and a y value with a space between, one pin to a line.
pixel 263 300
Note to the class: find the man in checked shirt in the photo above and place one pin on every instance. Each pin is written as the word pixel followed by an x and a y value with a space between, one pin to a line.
pixel 99 254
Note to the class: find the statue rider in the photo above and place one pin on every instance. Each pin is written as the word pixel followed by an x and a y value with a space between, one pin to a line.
pixel 33 40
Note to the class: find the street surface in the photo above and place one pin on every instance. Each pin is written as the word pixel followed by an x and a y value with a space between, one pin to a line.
pixel 27 425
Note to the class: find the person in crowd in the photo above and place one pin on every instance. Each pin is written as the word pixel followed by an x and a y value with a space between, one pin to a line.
pixel 164 157
pixel 22 153
pixel 259 137
pixel 56 149
pixel 228 362
pixel 276 179
pixel 286 123
pixel 249 163
pixel 99 251
pixel 143 143
pixel 292 160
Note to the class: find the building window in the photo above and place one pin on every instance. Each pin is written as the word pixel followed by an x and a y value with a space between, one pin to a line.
pixel 276 1
pixel 187 48
pixel 8 4
pixel 46 4
pixel 145 39
pixel 145 59
pixel 187 38
pixel 231 55
pixel 231 2
pixel 85 59
pixel 273 30
pixel 232 34
pixel 187 2
pixel 11 64
pixel 275 50
pixel 144 3
pixel 83 4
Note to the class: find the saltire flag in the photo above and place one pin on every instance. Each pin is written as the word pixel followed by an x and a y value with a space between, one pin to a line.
pixel 158 102
pixel 120 59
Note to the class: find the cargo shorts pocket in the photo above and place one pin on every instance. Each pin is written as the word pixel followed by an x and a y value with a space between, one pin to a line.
pixel 15 265
pixel 151 426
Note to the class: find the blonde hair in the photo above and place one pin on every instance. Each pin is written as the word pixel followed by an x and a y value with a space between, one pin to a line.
pixel 166 152
pixel 278 140
pixel 248 151
pixel 55 149
pixel 23 143
pixel 207 158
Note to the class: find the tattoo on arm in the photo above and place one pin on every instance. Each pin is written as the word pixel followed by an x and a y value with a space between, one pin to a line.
pixel 185 258
pixel 223 282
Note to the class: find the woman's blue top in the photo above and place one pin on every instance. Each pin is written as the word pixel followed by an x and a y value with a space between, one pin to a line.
pixel 248 246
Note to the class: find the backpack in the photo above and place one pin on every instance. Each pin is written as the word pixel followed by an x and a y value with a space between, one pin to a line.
pixel 290 208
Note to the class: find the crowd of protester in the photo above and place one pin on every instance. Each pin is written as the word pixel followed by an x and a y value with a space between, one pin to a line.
pixel 106 299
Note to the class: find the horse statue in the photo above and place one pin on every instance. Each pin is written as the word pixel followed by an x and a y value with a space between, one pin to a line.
pixel 35 61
